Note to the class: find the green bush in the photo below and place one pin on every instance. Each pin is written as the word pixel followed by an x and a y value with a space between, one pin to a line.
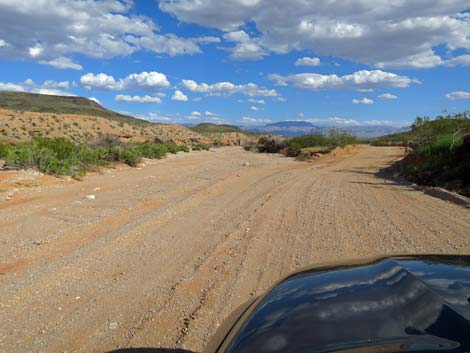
pixel 3 149
pixel 60 156
pixel 293 147
pixel 293 150
pixel 55 156
pixel 128 155
pixel 440 152
pixel 171 147
pixel 151 150
pixel 183 148
pixel 21 156
pixel 200 147
pixel 310 141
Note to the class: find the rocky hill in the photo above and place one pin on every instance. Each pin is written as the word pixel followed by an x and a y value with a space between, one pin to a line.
pixel 41 103
pixel 18 126
pixel 25 115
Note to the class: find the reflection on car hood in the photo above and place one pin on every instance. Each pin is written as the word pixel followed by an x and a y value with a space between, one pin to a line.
pixel 418 304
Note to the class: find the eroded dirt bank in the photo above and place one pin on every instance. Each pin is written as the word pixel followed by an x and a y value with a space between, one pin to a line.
pixel 162 254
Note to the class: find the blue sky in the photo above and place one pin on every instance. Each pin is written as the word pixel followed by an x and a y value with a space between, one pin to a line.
pixel 247 62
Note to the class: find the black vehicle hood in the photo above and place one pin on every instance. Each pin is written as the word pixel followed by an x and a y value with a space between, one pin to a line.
pixel 419 304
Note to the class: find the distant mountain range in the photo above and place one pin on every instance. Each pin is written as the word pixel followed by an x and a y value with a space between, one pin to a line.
pixel 297 128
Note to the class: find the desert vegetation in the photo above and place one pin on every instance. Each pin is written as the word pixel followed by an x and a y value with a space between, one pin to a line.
pixel 303 147
pixel 439 151
pixel 60 156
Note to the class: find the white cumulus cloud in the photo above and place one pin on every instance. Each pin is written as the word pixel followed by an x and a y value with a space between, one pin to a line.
pixel 388 96
pixel 384 33
pixel 246 48
pixel 364 100
pixel 179 96
pixel 49 31
pixel 52 92
pixel 137 99
pixel 256 101
pixel 228 88
pixel 195 115
pixel 94 99
pixel 62 63
pixel 151 81
pixel 49 87
pixel 363 79
pixel 458 95
pixel 306 61
pixel 99 81
pixel 462 60
pixel 9 86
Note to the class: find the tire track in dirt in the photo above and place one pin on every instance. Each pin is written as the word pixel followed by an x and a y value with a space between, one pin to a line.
pixel 165 253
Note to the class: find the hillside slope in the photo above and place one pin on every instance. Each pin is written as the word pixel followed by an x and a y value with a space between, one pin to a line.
pixel 25 115
pixel 41 103
pixel 22 126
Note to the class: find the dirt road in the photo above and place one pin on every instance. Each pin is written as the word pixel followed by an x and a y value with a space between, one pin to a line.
pixel 165 252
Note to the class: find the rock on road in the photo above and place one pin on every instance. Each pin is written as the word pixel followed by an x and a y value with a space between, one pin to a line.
pixel 162 254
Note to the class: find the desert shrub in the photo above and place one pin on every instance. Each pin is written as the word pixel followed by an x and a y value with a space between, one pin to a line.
pixel 293 150
pixel 128 155
pixel 250 146
pixel 60 156
pixel 340 138
pixel 293 147
pixel 302 156
pixel 171 147
pixel 183 148
pixel 174 148
pixel 310 141
pixel 151 150
pixel 397 139
pixel 105 141
pixel 3 149
pixel 272 144
pixel 200 147
pixel 54 156
pixel 20 156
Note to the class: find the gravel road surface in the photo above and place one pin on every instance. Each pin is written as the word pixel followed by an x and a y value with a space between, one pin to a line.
pixel 162 254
